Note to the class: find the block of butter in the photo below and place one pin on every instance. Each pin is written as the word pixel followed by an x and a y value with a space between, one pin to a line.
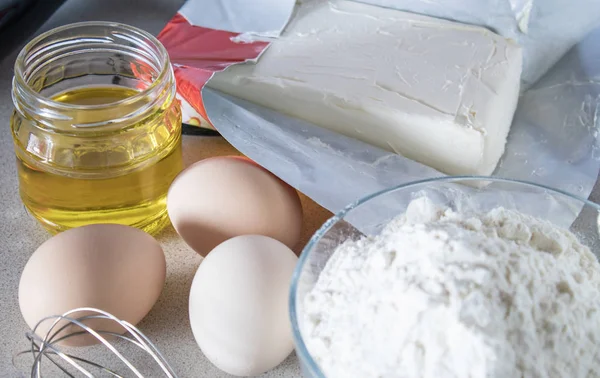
pixel 435 91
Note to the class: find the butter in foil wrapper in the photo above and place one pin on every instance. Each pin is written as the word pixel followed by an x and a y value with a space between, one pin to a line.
pixel 553 139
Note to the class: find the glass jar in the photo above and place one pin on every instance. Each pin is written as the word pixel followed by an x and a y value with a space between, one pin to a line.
pixel 96 127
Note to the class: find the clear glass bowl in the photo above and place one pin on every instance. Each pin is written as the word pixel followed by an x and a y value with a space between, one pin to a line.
pixel 370 214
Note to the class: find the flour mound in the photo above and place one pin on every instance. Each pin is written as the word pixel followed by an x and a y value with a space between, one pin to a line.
pixel 444 294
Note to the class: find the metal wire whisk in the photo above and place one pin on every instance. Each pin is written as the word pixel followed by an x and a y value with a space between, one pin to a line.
pixel 46 348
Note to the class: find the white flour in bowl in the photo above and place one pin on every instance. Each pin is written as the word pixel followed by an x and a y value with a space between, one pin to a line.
pixel 444 294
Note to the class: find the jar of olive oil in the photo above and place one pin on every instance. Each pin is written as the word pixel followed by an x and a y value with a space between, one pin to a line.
pixel 96 127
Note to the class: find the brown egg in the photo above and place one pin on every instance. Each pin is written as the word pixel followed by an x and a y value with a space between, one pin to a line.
pixel 115 268
pixel 219 198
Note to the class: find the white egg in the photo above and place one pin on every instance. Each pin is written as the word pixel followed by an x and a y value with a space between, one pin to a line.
pixel 239 304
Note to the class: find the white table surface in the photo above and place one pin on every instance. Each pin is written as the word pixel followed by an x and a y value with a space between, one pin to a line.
pixel 167 324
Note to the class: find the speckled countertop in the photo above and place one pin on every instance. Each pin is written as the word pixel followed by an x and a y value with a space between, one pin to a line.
pixel 167 324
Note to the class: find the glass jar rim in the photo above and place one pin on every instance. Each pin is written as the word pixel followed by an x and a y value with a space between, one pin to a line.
pixel 20 65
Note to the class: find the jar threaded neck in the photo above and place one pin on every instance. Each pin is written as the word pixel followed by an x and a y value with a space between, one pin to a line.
pixel 111 54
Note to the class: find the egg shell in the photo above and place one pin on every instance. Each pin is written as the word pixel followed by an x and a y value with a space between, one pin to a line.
pixel 239 305
pixel 219 198
pixel 115 268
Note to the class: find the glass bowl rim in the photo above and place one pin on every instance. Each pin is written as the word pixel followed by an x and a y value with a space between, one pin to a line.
pixel 301 349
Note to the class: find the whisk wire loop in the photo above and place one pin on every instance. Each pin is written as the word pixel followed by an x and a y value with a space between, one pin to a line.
pixel 46 346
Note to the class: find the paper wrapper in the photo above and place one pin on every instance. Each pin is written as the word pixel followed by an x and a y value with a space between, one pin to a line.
pixel 553 139
pixel 201 40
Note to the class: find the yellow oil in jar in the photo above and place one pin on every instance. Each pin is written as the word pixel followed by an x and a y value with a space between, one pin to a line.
pixel 136 198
